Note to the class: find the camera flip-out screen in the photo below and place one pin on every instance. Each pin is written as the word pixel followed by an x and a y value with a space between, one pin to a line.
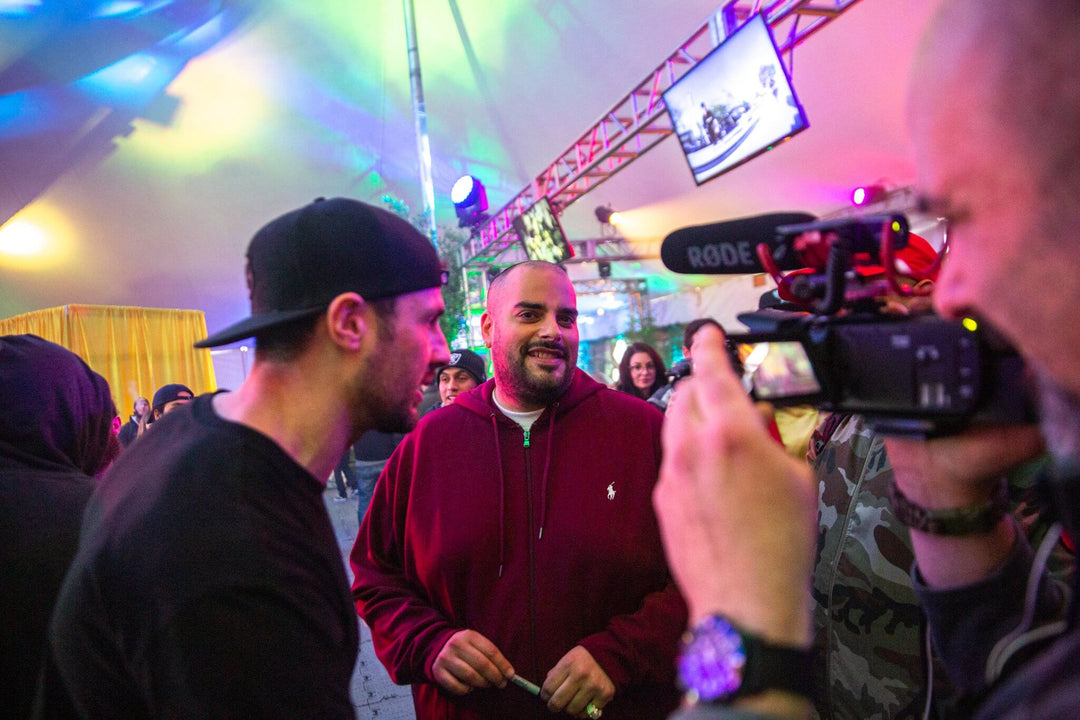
pixel 777 370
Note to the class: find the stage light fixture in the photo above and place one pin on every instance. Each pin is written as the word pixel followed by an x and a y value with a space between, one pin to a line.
pixel 470 201
pixel 868 194
pixel 604 267
pixel 607 216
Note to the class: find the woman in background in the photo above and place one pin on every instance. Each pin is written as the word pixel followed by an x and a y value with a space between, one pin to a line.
pixel 641 371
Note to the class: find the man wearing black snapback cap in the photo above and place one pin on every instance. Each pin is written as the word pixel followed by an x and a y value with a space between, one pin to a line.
pixel 209 582
pixel 464 372
pixel 168 398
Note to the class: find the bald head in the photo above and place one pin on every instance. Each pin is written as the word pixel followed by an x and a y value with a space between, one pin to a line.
pixel 496 290
pixel 994 110
pixel 531 327
pixel 1021 62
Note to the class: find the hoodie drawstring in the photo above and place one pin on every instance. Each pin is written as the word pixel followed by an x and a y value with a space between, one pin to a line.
pixel 547 466
pixel 502 483
pixel 502 495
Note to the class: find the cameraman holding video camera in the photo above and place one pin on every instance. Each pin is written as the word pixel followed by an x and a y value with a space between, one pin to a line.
pixel 994 112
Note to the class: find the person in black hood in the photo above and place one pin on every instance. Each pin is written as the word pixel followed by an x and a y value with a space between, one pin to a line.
pixel 56 418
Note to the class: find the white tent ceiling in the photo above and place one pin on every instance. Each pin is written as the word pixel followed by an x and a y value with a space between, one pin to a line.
pixel 301 99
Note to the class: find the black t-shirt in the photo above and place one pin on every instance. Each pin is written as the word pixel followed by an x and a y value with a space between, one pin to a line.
pixel 208 583
pixel 374 445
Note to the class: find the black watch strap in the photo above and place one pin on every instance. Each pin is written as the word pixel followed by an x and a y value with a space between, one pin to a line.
pixel 721 662
pixel 777 667
pixel 958 521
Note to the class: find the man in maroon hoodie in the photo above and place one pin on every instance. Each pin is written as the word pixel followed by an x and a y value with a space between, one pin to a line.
pixel 512 534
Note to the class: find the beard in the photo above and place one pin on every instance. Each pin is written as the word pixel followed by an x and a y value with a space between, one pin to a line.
pixel 1059 417
pixel 1059 412
pixel 396 419
pixel 377 411
pixel 380 400
pixel 539 388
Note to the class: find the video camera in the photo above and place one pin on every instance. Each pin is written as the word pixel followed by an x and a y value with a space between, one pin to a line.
pixel 833 345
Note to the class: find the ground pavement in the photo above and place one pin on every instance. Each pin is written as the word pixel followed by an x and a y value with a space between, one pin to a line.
pixel 373 693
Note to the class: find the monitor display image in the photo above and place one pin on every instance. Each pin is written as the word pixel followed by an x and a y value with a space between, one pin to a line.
pixel 777 370
pixel 736 103
pixel 541 234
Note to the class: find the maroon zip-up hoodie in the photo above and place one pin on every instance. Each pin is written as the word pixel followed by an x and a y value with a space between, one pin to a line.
pixel 539 544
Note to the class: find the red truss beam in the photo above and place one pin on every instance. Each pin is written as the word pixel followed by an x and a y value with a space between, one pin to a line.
pixel 639 120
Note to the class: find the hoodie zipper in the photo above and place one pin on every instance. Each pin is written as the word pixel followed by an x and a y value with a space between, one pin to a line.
pixel 532 547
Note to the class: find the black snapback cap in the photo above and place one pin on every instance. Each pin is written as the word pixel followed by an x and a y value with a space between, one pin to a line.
pixel 165 395
pixel 468 361
pixel 301 261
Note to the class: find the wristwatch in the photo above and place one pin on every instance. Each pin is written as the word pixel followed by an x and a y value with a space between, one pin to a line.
pixel 720 662
pixel 968 520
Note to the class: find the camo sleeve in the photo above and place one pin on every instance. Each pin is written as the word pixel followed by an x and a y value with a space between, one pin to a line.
pixel 867 622
pixel 869 627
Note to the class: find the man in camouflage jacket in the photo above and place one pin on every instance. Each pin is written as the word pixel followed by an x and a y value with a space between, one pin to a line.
pixel 868 627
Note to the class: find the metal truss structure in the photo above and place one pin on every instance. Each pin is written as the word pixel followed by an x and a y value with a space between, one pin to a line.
pixel 894 200
pixel 636 291
pixel 612 248
pixel 639 120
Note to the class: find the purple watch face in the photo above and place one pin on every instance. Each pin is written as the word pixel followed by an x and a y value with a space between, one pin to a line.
pixel 711 666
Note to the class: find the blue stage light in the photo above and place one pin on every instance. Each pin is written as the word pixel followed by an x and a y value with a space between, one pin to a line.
pixel 470 201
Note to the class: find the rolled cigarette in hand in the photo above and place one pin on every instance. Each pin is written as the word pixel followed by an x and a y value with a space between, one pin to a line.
pixel 526 685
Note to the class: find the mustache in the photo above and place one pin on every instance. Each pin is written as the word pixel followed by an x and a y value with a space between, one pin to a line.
pixel 541 345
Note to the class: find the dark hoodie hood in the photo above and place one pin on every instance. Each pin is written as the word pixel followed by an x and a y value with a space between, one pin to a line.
pixel 479 401
pixel 55 412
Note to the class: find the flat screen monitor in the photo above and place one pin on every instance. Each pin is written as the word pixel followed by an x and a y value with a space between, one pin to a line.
pixel 737 102
pixel 541 234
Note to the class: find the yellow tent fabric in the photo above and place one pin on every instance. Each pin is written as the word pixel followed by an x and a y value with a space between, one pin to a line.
pixel 136 349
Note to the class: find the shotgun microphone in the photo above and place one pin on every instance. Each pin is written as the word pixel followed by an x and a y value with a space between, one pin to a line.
pixel 730 248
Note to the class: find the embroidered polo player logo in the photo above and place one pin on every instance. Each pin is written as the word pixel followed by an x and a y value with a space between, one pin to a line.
pixel 611 491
